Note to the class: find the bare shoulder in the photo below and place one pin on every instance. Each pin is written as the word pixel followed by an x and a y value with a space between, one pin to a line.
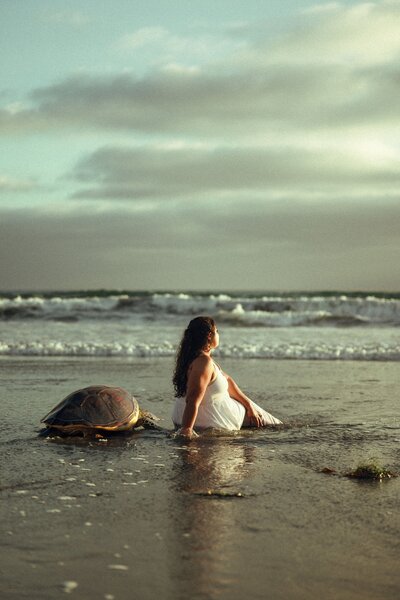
pixel 200 371
pixel 201 364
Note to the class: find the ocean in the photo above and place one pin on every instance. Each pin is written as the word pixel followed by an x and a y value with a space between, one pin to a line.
pixel 328 326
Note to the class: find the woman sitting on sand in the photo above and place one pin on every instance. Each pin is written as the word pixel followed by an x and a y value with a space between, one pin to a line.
pixel 206 396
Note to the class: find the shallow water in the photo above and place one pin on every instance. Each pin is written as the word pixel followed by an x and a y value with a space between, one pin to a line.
pixel 131 516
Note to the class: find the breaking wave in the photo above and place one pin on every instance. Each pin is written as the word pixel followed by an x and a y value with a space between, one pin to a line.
pixel 285 310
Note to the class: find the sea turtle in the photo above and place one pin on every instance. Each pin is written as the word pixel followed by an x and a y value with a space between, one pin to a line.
pixel 97 410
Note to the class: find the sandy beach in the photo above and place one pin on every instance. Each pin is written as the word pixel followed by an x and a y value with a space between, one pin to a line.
pixel 132 517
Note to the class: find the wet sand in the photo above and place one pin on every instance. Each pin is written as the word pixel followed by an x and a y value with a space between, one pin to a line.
pixel 131 517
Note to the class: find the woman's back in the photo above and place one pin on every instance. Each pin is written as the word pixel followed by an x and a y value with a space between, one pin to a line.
pixel 217 409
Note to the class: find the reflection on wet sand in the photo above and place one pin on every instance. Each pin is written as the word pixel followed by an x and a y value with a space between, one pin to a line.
pixel 203 527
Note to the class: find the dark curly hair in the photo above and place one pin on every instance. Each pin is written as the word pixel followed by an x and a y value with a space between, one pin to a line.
pixel 194 340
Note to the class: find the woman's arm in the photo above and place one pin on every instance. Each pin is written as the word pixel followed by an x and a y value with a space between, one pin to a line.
pixel 199 377
pixel 236 393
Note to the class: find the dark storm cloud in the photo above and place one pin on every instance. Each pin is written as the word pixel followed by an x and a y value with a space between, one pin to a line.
pixel 304 225
pixel 194 226
pixel 222 245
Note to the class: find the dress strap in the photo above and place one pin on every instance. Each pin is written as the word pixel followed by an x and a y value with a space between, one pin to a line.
pixel 215 371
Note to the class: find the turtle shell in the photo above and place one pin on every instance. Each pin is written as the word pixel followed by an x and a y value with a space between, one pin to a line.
pixel 95 407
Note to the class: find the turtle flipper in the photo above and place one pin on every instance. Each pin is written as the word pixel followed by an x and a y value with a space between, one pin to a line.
pixel 57 432
pixel 150 424
pixel 46 432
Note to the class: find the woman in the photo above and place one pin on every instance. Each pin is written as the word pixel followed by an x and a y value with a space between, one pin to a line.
pixel 205 395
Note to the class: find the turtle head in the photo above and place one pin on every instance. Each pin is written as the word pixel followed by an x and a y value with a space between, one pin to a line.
pixel 147 419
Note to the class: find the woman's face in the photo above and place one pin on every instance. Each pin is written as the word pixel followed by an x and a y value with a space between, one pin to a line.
pixel 214 339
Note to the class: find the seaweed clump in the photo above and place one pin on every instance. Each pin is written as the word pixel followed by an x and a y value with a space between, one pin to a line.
pixel 371 471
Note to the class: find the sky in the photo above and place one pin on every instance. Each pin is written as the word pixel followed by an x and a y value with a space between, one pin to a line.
pixel 209 145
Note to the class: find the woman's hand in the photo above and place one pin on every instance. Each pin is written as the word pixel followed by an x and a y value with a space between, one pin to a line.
pixel 186 432
pixel 253 417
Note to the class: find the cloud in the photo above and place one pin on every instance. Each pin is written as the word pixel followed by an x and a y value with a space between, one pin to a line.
pixel 219 225
pixel 224 245
pixel 283 100
pixel 335 71
pixel 73 18
pixel 164 47
pixel 143 37
pixel 274 166
pixel 339 34
pixel 152 172
pixel 10 184
pixel 322 8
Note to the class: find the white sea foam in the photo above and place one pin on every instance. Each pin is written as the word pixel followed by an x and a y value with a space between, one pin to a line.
pixel 278 350
pixel 239 316
pixel 43 348
pixel 69 586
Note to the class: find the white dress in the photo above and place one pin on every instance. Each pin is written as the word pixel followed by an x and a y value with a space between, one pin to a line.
pixel 218 410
